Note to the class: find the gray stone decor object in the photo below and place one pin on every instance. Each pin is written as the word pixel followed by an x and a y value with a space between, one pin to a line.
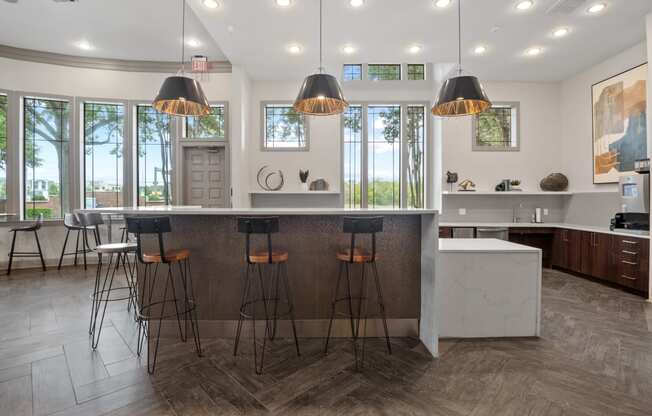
pixel 555 182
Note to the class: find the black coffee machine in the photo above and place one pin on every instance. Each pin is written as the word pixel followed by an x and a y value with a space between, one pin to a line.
pixel 631 221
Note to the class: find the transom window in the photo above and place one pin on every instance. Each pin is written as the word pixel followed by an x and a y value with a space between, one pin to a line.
pixel 154 156
pixel 352 72
pixel 207 127
pixel 3 153
pixel 103 150
pixel 46 135
pixel 384 164
pixel 416 72
pixel 497 128
pixel 384 72
pixel 284 128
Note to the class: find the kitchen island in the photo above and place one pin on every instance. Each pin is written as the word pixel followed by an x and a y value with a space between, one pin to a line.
pixel 407 249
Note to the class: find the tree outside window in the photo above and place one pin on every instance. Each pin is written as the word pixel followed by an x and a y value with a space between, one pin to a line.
pixel 154 157
pixel 497 128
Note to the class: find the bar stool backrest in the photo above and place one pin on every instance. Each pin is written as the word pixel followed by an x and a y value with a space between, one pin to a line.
pixel 149 225
pixel 71 221
pixel 258 225
pixel 39 222
pixel 362 225
pixel 92 220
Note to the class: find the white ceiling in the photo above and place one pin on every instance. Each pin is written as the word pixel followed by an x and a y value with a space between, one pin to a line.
pixel 147 30
pixel 255 33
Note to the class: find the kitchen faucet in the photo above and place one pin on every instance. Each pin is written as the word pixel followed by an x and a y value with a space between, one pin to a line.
pixel 515 217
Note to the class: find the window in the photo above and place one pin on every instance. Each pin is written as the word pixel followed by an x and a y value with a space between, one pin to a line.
pixel 352 72
pixel 416 72
pixel 497 128
pixel 384 72
pixel 45 152
pixel 352 156
pixel 103 147
pixel 3 153
pixel 154 158
pixel 392 147
pixel 284 128
pixel 207 127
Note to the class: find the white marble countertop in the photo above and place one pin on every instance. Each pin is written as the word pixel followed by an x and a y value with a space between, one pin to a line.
pixel 196 210
pixel 482 245
pixel 604 230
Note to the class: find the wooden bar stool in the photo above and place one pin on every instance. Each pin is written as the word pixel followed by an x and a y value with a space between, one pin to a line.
pixel 71 223
pixel 26 229
pixel 175 264
pixel 347 258
pixel 105 290
pixel 255 291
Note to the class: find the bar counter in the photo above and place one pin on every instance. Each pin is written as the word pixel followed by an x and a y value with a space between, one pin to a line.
pixel 407 249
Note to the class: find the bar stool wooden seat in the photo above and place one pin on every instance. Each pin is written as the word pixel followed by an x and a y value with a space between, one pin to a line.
pixel 363 257
pixel 105 290
pixel 257 291
pixel 175 265
pixel 34 227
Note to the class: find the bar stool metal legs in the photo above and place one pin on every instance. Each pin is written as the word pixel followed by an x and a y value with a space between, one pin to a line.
pixel 29 228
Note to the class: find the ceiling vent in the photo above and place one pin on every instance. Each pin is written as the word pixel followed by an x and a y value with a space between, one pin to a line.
pixel 565 6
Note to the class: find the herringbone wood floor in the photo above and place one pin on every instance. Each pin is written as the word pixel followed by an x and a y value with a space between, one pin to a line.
pixel 594 358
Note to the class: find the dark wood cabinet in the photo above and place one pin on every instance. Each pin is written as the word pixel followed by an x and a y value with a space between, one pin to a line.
pixel 538 237
pixel 445 232
pixel 632 262
pixel 596 257
pixel 566 252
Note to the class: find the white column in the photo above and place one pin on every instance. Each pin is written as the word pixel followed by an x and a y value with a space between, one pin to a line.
pixel 239 121
pixel 649 107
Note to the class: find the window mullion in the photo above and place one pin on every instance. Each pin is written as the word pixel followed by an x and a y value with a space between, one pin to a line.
pixel 364 165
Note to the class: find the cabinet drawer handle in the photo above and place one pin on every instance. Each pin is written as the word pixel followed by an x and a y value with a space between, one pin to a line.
pixel 630 242
pixel 627 277
pixel 634 253
pixel 629 262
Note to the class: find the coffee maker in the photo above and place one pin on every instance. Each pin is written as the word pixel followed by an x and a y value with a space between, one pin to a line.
pixel 634 191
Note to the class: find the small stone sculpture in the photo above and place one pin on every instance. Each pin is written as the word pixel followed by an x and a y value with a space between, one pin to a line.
pixel 451 178
pixel 555 182
pixel 319 185
pixel 466 185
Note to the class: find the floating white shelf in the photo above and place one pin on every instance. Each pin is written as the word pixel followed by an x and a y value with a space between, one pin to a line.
pixel 282 192
pixel 510 193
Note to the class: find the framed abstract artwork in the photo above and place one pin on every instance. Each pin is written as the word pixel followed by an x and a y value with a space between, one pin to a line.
pixel 619 124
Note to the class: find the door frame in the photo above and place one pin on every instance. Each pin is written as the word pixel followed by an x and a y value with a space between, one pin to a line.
pixel 180 173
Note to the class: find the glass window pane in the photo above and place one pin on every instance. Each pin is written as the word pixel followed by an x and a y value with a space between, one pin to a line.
pixel 207 127
pixel 352 72
pixel 383 156
pixel 415 144
pixel 416 72
pixel 494 128
pixel 154 157
pixel 284 128
pixel 103 163
pixel 46 148
pixel 384 72
pixel 3 153
pixel 352 156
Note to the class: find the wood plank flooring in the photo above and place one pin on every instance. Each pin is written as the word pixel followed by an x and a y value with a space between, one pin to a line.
pixel 594 358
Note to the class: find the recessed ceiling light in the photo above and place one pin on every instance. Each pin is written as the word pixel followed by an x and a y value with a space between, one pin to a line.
pixel 283 3
pixel 294 48
pixel 212 4
pixel 534 51
pixel 193 43
pixel 356 3
pixel 560 32
pixel 442 3
pixel 348 49
pixel 480 50
pixel 84 45
pixel 414 49
pixel 524 5
pixel 597 8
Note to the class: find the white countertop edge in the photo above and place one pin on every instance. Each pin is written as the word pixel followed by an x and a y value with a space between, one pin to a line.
pixel 603 230
pixel 192 210
pixel 482 245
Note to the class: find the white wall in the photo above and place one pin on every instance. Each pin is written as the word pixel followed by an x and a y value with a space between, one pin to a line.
pixel 539 139
pixel 576 120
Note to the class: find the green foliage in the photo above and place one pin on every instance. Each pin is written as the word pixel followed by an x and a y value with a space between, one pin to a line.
pixel 53 188
pixel 210 126
pixel 34 212
pixel 154 128
pixel 284 124
pixel 494 127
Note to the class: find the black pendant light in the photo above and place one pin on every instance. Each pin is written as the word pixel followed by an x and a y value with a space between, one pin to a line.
pixel 320 94
pixel 461 94
pixel 180 95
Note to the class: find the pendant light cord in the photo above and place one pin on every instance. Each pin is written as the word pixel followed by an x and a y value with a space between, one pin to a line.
pixel 321 56
pixel 459 37
pixel 183 36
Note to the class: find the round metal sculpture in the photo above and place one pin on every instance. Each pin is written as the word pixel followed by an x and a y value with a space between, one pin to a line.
pixel 264 179
pixel 555 182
